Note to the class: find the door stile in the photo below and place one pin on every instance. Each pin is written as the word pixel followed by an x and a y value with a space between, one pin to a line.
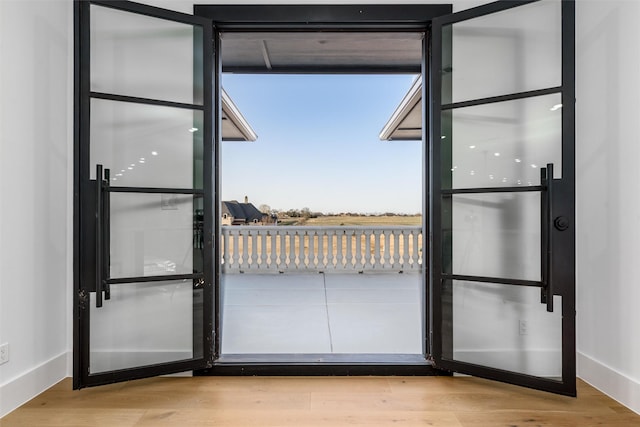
pixel 565 194
pixel 81 186
pixel 212 197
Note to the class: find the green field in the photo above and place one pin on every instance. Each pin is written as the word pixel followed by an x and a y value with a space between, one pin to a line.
pixel 346 220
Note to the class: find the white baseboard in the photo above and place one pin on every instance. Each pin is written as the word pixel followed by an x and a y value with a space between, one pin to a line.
pixel 25 387
pixel 609 381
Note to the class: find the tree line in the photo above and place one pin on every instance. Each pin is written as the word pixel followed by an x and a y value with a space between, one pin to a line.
pixel 307 213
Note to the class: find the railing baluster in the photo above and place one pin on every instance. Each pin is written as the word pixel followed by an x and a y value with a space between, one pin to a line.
pixel 368 250
pixel 292 249
pixel 339 254
pixel 384 249
pixel 274 251
pixel 416 249
pixel 286 264
pixel 285 250
pixel 246 264
pixel 405 250
pixel 330 245
pixel 326 248
pixel 357 255
pixel 397 265
pixel 376 235
pixel 296 242
pixel 301 251
pixel 245 249
pixel 312 250
pixel 224 249
pixel 255 255
pixel 419 250
pixel 263 249
pixel 348 253
pixel 236 250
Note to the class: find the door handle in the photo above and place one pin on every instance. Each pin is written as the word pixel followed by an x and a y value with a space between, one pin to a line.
pixel 547 225
pixel 102 235
pixel 99 247
pixel 106 233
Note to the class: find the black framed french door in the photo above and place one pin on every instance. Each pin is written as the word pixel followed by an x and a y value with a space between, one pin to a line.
pixel 144 266
pixel 502 188
pixel 498 109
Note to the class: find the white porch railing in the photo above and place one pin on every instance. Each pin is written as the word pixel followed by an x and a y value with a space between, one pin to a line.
pixel 263 249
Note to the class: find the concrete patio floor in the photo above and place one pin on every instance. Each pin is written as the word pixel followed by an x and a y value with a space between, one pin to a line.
pixel 315 313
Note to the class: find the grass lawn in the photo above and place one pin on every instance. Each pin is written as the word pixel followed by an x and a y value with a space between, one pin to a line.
pixel 339 220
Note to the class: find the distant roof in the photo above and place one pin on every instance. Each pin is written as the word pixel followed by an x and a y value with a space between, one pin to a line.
pixel 234 126
pixel 246 211
pixel 405 123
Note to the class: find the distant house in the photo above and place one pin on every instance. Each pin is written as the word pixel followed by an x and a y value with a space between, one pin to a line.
pixel 236 213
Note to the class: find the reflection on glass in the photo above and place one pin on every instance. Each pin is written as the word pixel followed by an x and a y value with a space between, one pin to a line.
pixel 144 324
pixel 142 56
pixel 512 51
pixel 495 235
pixel 152 235
pixel 147 145
pixel 502 144
pixel 503 327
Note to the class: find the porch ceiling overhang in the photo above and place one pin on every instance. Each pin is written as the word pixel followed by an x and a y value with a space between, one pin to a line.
pixel 234 126
pixel 322 52
pixel 405 124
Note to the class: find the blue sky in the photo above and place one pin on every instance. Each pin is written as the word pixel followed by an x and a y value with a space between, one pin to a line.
pixel 318 144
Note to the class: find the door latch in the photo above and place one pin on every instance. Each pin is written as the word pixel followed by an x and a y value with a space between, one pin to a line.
pixel 561 223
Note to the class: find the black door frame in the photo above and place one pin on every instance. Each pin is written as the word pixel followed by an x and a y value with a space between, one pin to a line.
pixel 343 18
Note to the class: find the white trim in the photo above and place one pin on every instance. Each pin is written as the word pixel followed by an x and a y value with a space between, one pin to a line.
pixel 21 389
pixel 235 116
pixel 408 103
pixel 614 384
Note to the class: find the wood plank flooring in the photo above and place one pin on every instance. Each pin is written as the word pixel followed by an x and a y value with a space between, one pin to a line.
pixel 318 401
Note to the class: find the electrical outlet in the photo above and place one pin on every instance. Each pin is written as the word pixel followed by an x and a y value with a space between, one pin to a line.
pixel 524 327
pixel 4 353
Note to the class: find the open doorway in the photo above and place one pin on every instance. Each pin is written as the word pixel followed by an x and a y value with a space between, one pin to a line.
pixel 321 217
pixel 124 111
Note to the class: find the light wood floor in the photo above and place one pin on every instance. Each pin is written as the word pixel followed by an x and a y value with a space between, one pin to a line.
pixel 317 401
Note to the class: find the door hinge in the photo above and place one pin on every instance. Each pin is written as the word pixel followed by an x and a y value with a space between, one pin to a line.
pixel 82 299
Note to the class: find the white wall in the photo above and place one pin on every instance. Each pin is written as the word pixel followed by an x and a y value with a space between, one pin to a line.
pixel 608 197
pixel 35 195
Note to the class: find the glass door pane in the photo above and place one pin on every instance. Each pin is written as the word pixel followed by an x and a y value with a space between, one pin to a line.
pixel 146 126
pixel 145 324
pixel 521 50
pixel 484 315
pixel 502 176
pixel 138 55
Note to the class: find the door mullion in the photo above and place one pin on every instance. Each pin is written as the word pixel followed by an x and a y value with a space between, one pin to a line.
pixel 145 101
pixel 156 190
